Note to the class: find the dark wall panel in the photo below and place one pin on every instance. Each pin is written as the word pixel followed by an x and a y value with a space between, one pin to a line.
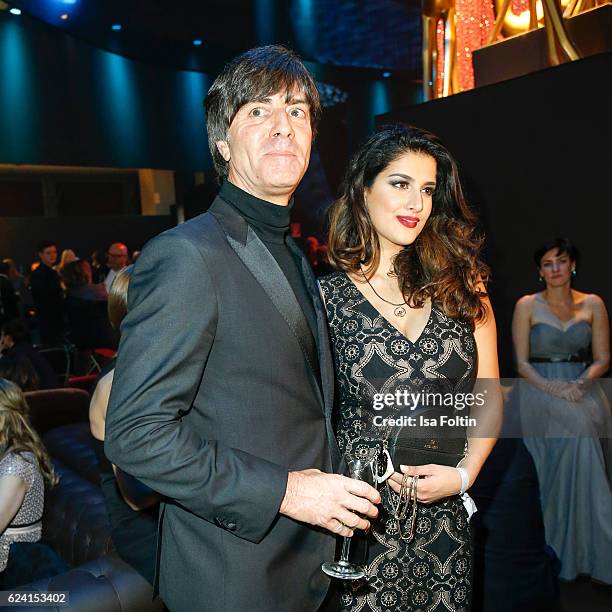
pixel 64 102
pixel 21 197
pixel 535 156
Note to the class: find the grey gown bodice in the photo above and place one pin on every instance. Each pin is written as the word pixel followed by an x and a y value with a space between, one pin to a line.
pixel 550 342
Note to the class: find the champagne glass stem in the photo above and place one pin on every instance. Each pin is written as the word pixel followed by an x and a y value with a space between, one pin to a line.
pixel 346 546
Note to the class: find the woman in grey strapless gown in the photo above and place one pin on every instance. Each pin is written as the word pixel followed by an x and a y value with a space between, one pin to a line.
pixel 561 342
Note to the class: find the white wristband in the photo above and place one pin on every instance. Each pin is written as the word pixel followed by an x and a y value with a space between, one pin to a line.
pixel 465 479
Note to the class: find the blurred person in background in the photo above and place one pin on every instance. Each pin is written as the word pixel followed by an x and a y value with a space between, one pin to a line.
pixel 86 305
pixel 131 506
pixel 562 347
pixel 20 371
pixel 14 275
pixel 25 471
pixel 117 258
pixel 316 253
pixel 9 301
pixel 99 269
pixel 20 285
pixel 68 256
pixel 48 296
pixel 15 344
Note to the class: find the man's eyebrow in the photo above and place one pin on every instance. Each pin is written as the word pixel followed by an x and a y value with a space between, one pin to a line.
pixel 263 99
pixel 291 100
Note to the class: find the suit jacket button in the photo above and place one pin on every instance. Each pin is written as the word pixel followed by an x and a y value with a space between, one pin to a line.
pixel 231 526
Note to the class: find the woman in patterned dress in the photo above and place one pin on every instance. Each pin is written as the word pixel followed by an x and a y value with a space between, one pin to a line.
pixel 407 309
pixel 25 468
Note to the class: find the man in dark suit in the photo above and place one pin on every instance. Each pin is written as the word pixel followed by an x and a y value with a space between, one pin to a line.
pixel 48 296
pixel 223 391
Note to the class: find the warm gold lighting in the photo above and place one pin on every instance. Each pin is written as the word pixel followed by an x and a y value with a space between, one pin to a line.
pixel 518 17
pixel 559 44
pixel 452 30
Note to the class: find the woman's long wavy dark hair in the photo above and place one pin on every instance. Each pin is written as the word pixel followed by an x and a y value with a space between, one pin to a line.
pixel 443 264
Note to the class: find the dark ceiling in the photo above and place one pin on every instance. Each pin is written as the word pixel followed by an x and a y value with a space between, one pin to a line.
pixel 379 34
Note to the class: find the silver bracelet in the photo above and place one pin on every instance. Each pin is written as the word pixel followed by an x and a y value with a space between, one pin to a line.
pixel 465 479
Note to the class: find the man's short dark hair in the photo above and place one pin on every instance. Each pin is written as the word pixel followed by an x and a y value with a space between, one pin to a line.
pixel 255 75
pixel 45 244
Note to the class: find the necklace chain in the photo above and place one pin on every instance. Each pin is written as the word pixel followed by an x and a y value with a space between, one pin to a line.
pixel 399 311
pixel 376 292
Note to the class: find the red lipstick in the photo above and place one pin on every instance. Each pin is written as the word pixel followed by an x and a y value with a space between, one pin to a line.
pixel 410 222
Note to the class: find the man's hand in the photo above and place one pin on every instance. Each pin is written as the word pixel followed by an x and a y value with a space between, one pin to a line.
pixel 336 503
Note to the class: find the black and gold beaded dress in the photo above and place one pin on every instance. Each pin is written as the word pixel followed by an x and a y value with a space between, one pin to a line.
pixel 433 571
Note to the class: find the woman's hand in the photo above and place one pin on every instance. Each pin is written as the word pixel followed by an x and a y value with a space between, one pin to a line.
pixel 573 392
pixel 436 481
pixel 555 387
pixel 570 391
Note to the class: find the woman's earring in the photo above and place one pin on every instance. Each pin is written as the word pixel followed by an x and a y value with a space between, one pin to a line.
pixel 573 271
pixel 540 279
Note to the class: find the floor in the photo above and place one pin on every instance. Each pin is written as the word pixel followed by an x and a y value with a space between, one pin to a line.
pixel 583 595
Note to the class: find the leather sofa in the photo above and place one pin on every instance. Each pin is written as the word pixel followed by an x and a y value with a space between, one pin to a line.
pixel 75 523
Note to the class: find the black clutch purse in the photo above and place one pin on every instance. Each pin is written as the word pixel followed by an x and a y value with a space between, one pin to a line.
pixel 423 445
pixel 419 451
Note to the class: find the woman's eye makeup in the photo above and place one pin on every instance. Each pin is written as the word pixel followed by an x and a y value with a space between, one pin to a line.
pixel 406 185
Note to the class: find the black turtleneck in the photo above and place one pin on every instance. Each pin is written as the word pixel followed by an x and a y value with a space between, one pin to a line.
pixel 271 224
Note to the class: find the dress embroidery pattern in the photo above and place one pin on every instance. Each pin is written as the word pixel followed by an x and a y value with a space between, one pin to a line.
pixel 433 572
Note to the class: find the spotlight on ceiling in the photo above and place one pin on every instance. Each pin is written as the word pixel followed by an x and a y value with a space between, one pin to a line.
pixel 197 42
pixel 15 11
pixel 64 16
pixel 116 27
pixel 386 74
pixel 68 1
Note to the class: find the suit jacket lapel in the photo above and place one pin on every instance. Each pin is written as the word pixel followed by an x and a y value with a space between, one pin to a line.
pixel 325 357
pixel 268 274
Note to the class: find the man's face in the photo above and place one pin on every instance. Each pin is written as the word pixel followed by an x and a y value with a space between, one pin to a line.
pixel 268 146
pixel 6 341
pixel 117 257
pixel 48 256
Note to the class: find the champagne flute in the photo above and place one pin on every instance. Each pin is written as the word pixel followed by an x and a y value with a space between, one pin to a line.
pixel 359 468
